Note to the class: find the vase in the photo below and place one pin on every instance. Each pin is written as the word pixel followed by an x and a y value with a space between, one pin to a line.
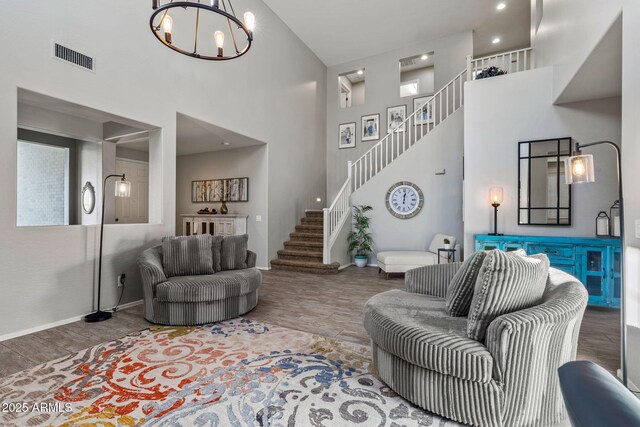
pixel 223 208
pixel 361 260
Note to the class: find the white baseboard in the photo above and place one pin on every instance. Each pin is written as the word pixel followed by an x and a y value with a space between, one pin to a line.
pixel 58 323
pixel 342 267
pixel 263 268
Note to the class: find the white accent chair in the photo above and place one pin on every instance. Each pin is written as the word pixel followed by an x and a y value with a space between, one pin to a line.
pixel 402 261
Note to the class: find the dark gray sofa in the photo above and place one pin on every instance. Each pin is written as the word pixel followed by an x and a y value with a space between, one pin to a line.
pixel 195 300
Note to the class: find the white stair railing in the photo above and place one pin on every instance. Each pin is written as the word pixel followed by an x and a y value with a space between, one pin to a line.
pixel 421 122
pixel 511 62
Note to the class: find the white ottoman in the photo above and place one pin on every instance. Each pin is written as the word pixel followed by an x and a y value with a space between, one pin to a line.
pixel 402 261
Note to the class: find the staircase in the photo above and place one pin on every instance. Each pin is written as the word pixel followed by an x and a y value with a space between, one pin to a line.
pixel 303 252
pixel 414 129
pixel 309 249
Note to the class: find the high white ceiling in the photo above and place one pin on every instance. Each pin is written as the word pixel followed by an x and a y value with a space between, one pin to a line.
pixel 195 136
pixel 339 31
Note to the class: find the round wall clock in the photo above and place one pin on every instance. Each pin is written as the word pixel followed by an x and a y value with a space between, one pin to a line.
pixel 404 200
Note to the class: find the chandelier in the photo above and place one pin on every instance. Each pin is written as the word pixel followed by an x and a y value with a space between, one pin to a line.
pixel 198 28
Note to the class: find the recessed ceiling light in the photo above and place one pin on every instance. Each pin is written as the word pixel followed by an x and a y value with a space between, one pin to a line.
pixel 424 57
pixel 226 143
pixel 496 40
pixel 501 6
pixel 360 72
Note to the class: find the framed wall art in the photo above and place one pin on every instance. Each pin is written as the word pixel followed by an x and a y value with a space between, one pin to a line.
pixel 395 118
pixel 425 116
pixel 218 190
pixel 370 127
pixel 347 135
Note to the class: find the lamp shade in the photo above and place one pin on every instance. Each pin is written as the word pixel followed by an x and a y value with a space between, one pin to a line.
pixel 123 188
pixel 495 195
pixel 579 169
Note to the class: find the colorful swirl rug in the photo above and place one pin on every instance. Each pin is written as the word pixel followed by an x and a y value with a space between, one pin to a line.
pixel 233 373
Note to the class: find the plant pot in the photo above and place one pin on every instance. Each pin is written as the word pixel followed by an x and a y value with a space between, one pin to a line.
pixel 447 246
pixel 361 260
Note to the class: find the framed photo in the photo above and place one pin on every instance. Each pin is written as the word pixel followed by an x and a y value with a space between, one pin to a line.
pixel 426 110
pixel 370 127
pixel 347 135
pixel 396 117
pixel 217 190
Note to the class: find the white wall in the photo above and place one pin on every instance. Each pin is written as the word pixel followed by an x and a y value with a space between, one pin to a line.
pixel 425 77
pixel 631 176
pixel 500 112
pixel 568 33
pixel 248 162
pixel 48 273
pixel 382 91
pixel 442 211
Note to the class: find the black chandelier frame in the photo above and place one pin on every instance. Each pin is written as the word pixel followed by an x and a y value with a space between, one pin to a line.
pixel 164 9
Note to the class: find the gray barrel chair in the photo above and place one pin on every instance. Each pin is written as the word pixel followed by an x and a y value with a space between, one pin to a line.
pixel 508 380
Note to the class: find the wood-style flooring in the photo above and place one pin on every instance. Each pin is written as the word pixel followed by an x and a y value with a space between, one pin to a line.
pixel 329 305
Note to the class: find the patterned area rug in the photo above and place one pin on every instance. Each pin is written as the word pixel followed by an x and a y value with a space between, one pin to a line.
pixel 233 373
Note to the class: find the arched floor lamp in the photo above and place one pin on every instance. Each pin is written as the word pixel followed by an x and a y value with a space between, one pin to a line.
pixel 579 169
pixel 123 189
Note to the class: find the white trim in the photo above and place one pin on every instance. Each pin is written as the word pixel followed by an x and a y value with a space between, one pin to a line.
pixel 58 323
pixel 342 267
pixel 263 268
pixel 142 162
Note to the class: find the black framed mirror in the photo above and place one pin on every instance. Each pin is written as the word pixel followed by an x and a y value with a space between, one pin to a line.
pixel 544 198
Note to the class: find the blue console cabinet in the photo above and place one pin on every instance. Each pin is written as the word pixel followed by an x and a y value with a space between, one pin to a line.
pixel 595 262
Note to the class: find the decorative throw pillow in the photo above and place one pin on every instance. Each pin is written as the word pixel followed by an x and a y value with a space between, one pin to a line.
pixel 461 287
pixel 216 248
pixel 233 255
pixel 187 255
pixel 507 282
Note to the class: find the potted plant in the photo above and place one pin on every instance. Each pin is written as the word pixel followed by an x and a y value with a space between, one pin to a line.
pixel 447 244
pixel 360 239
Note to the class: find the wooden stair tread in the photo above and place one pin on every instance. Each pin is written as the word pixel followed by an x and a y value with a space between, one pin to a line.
pixel 304 266
pixel 306 237
pixel 304 243
pixel 293 252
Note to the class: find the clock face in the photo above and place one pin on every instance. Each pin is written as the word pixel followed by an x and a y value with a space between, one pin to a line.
pixel 404 200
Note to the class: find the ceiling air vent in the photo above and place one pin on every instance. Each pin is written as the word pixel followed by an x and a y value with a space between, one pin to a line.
pixel 76 58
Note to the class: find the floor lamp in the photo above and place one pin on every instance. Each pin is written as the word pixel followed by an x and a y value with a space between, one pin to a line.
pixel 123 189
pixel 578 170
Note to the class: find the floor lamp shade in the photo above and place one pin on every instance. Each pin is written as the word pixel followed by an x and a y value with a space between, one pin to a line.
pixel 123 187
pixel 578 169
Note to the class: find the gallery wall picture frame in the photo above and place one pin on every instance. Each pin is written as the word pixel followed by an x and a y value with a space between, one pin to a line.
pixel 347 135
pixel 218 190
pixel 426 115
pixel 370 127
pixel 396 117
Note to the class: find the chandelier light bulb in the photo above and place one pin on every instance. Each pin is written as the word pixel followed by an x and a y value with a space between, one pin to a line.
pixel 219 38
pixel 167 27
pixel 249 21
